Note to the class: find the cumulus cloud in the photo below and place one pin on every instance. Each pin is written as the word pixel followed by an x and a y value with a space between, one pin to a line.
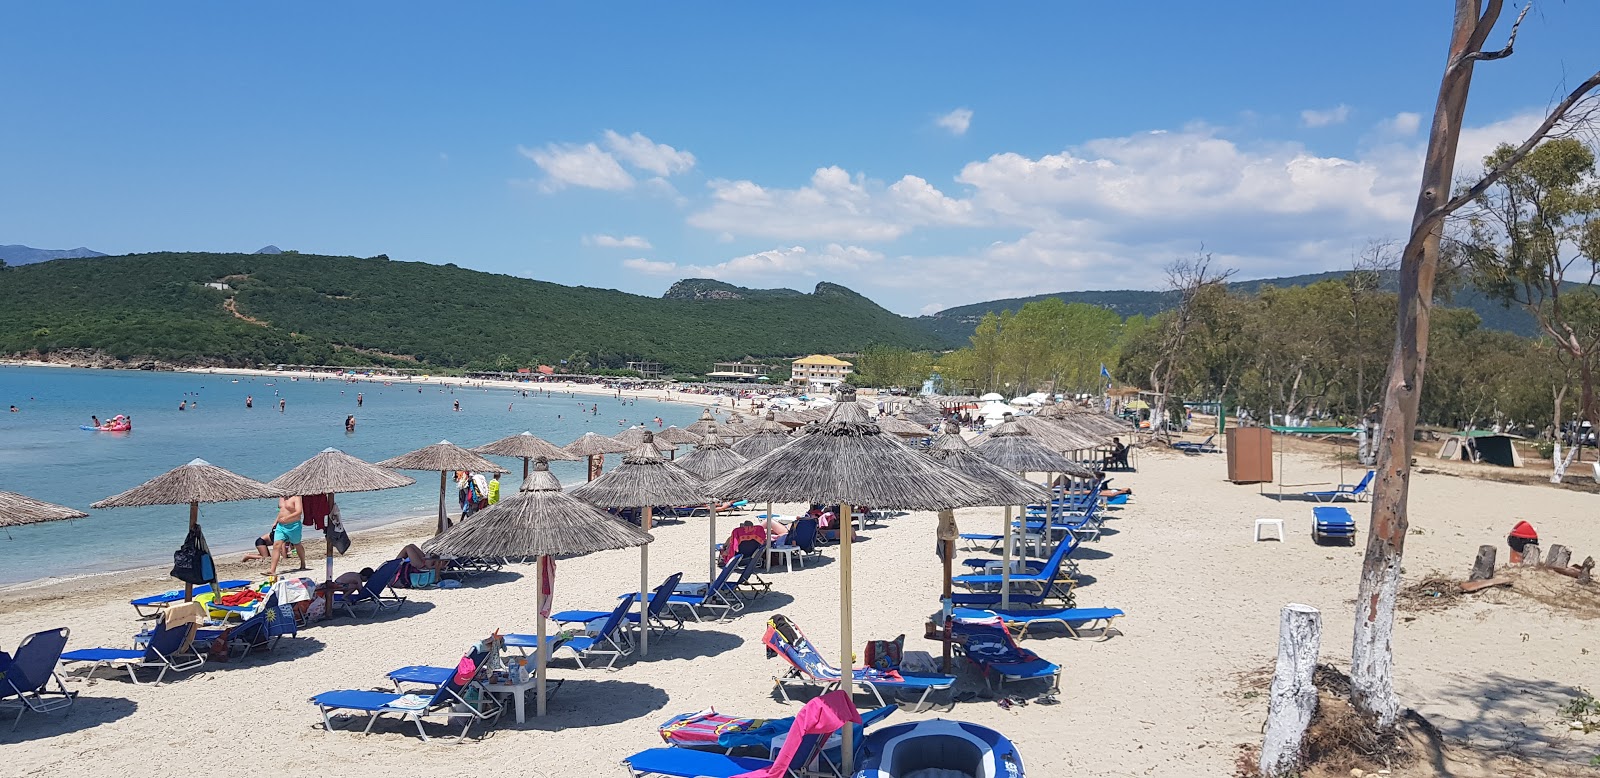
pixel 835 205
pixel 1404 123
pixel 1326 117
pixel 956 121
pixel 589 166
pixel 646 154
pixel 651 266
pixel 585 165
pixel 613 242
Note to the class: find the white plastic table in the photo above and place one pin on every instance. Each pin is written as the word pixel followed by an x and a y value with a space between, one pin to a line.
pixel 515 690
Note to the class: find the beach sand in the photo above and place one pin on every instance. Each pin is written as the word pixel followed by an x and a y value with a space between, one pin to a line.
pixel 1173 696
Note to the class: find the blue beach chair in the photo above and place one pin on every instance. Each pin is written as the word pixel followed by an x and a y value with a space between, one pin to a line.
pixel 749 579
pixel 719 598
pixel 807 667
pixel 371 592
pixel 656 612
pixel 30 674
pixel 605 638
pixel 1332 522
pixel 986 643
pixel 1021 620
pixel 1353 492
pixel 447 700
pixel 1047 580
pixel 261 632
pixel 171 647
pixel 156 601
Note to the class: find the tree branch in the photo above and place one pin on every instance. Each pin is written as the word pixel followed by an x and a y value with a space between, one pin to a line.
pixel 1555 117
pixel 1484 56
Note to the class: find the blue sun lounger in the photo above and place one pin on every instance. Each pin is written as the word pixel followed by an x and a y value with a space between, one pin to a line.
pixel 605 638
pixel 1046 581
pixel 720 597
pixel 657 611
pixel 171 647
pixel 1021 620
pixel 817 755
pixel 986 643
pixel 1353 493
pixel 447 701
pixel 808 668
pixel 29 675
pixel 155 601
pixel 371 592
pixel 1332 522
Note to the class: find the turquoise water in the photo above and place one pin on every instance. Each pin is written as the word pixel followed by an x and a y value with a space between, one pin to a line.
pixel 44 454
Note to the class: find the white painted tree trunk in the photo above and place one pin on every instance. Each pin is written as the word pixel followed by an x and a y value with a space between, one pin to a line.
pixel 1294 696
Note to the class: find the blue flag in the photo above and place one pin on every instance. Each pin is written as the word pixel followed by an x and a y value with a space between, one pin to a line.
pixel 1104 371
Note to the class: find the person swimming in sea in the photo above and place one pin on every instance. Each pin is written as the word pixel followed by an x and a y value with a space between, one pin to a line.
pixel 183 405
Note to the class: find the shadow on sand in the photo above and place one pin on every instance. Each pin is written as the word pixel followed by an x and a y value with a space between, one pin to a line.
pixel 86 712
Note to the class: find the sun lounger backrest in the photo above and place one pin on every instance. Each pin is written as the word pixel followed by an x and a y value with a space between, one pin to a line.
pixel 167 640
pixel 663 593
pixel 381 578
pixel 619 615
pixel 722 577
pixel 1366 481
pixel 747 569
pixel 452 688
pixel 803 533
pixel 36 659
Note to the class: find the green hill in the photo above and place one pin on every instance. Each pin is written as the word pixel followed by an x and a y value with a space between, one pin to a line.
pixel 309 309
pixel 957 323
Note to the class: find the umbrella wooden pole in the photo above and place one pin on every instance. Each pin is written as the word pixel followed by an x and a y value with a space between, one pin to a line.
pixel 766 551
pixel 194 518
pixel 1005 562
pixel 444 519
pixel 327 541
pixel 713 547
pixel 949 596
pixel 524 469
pixel 589 474
pixel 644 585
pixel 539 652
pixel 846 656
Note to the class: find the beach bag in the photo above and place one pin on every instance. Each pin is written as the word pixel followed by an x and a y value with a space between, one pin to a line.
pixel 885 654
pixel 336 534
pixel 192 563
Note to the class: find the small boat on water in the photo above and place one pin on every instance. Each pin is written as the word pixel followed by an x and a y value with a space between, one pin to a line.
pixel 938 748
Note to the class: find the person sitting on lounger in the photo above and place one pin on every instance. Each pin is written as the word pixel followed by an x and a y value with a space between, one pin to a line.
pixel 746 531
pixel 351 583
pixel 421 561
pixel 1118 456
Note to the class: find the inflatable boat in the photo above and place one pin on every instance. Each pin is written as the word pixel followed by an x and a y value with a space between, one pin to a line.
pixel 119 424
pixel 938 748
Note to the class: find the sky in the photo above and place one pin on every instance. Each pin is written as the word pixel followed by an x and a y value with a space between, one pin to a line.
pixel 925 154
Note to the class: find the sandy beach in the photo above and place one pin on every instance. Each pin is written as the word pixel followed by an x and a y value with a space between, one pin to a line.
pixel 1175 695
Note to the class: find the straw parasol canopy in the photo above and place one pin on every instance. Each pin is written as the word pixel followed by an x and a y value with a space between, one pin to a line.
pixel 17 510
pixel 1007 487
pixel 634 436
pixel 898 424
pixel 735 427
pixel 678 436
pixel 1011 447
pixel 444 457
pixel 539 521
pixel 701 425
pixel 527 447
pixel 711 458
pixel 765 437
pixel 194 483
pixel 333 471
pixel 791 418
pixel 592 444
pixel 642 480
pixel 1054 436
pixel 847 459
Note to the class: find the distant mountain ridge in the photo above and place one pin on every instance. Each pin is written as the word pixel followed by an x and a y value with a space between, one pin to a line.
pixel 959 322
pixel 27 255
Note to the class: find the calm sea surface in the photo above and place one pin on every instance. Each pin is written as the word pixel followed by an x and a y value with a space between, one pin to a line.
pixel 44 454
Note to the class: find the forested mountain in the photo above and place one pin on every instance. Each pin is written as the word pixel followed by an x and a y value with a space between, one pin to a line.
pixel 310 309
pixel 958 322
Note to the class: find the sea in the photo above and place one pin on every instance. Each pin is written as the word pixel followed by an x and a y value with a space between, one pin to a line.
pixel 45 455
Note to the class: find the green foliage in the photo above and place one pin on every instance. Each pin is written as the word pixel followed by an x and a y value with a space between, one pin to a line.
pixel 886 366
pixel 1582 713
pixel 343 310
pixel 1046 344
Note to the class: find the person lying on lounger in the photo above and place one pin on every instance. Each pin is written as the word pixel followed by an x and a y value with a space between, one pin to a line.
pixel 421 561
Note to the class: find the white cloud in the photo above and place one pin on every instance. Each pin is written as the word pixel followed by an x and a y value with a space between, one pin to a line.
pixel 613 242
pixel 585 165
pixel 956 121
pixel 1326 117
pixel 651 266
pixel 646 154
pixel 835 205
pixel 1405 123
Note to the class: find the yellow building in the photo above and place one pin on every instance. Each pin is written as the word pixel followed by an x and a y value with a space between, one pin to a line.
pixel 818 370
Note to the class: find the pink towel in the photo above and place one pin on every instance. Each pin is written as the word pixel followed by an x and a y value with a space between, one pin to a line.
pixel 547 584
pixel 823 715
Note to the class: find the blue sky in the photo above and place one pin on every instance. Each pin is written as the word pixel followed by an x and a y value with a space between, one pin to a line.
pixel 925 154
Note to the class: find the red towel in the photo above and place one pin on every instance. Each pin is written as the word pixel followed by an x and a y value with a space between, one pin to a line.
pixel 316 507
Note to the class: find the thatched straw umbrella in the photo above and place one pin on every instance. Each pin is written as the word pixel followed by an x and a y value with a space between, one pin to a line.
pixel 678 436
pixel 17 510
pixel 847 460
pixel 527 447
pixel 1011 447
pixel 330 472
pixel 765 437
pixel 539 521
pixel 592 445
pixel 643 480
pixel 194 483
pixel 702 425
pixel 791 419
pixel 444 457
pixel 707 461
pixel 633 437
pixel 952 451
pixel 899 425
pixel 735 427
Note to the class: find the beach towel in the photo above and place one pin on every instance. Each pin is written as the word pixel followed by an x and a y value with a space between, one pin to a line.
pixel 547 585
pixel 315 509
pixel 822 715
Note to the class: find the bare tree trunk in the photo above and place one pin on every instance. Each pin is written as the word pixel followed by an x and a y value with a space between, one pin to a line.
pixel 1371 655
pixel 1294 696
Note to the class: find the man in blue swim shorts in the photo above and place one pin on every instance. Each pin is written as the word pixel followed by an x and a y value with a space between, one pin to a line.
pixel 286 532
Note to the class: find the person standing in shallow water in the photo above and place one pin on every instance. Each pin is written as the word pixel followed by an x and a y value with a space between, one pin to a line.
pixel 457 404
pixel 249 402
pixel 349 424
pixel 359 399
pixel 282 404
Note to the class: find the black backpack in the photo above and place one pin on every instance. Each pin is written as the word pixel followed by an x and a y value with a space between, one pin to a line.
pixel 191 563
